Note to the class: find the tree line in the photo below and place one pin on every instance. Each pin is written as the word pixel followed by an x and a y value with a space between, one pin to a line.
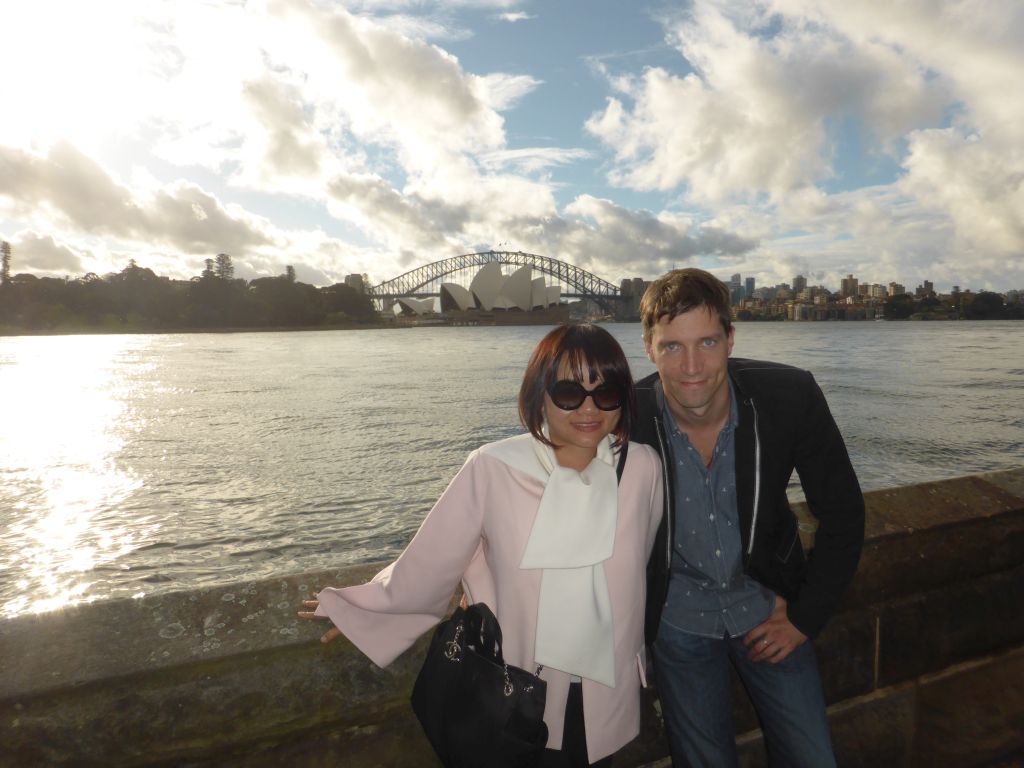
pixel 138 299
pixel 984 305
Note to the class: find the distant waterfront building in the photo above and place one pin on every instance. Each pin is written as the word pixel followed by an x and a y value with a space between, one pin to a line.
pixel 799 284
pixel 356 281
pixel 896 289
pixel 925 289
pixel 875 291
pixel 848 286
pixel 748 287
pixel 736 288
pixel 631 290
pixel 490 291
pixel 409 306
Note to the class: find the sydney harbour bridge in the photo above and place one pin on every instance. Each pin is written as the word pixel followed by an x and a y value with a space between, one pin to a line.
pixel 425 281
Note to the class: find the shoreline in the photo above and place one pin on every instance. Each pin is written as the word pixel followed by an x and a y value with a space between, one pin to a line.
pixel 6 332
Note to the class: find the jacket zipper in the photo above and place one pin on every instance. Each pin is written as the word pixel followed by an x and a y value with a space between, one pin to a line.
pixel 669 505
pixel 757 479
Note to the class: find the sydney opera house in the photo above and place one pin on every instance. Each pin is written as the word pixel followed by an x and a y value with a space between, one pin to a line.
pixel 494 298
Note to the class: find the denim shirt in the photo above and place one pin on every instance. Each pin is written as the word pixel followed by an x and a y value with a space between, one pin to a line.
pixel 708 593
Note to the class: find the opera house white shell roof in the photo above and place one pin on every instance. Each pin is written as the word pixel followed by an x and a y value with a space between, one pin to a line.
pixel 490 290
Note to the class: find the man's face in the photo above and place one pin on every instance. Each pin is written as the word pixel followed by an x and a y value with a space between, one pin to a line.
pixel 691 352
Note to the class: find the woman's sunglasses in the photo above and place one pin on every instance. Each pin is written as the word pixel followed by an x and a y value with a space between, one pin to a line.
pixel 569 395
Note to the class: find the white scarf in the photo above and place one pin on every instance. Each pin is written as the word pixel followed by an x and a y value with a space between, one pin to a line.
pixel 573 534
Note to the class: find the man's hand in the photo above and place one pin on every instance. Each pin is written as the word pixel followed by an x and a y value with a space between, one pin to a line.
pixel 775 638
pixel 310 613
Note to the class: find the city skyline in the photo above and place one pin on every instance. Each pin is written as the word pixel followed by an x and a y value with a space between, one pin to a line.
pixel 772 138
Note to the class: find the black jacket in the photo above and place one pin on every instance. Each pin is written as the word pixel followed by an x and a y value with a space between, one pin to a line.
pixel 784 424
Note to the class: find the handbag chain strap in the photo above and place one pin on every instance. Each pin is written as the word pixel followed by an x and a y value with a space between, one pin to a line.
pixel 453 651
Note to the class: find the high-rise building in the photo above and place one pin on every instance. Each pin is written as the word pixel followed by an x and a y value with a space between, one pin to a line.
pixel 799 284
pixel 848 286
pixel 748 287
pixel 355 281
pixel 896 289
pixel 925 289
pixel 736 288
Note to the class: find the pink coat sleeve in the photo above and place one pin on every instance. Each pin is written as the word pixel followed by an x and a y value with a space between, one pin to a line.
pixel 386 615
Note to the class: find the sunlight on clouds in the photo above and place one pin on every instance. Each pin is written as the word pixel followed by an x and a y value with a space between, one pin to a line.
pixel 68 61
pixel 63 440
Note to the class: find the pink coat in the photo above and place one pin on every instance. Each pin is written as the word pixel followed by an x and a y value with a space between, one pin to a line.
pixel 476 533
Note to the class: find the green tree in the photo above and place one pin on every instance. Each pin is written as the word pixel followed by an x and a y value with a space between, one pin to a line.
pixel 5 262
pixel 899 307
pixel 341 302
pixel 224 269
pixel 986 306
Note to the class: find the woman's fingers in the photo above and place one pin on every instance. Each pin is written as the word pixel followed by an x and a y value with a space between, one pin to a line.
pixel 331 633
pixel 310 612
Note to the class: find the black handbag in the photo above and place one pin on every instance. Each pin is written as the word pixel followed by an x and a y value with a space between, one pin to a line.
pixel 478 711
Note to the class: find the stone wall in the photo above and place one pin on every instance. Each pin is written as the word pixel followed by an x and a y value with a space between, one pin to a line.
pixel 923 665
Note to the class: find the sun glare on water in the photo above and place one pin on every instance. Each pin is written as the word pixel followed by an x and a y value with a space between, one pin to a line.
pixel 68 407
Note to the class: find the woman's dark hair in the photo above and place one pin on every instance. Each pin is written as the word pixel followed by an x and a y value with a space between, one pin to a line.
pixel 588 349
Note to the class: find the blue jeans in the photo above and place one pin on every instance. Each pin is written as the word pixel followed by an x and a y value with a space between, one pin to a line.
pixel 696 702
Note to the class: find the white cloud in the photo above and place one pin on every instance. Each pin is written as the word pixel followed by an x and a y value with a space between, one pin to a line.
pixel 751 121
pixel 514 16
pixel 74 187
pixel 979 184
pixel 532 159
pixel 752 132
pixel 33 252
pixel 393 88
pixel 614 242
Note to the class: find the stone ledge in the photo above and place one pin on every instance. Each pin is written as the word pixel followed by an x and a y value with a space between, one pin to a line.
pixel 222 675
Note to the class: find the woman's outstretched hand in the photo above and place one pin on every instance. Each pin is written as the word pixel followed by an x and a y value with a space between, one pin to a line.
pixel 310 613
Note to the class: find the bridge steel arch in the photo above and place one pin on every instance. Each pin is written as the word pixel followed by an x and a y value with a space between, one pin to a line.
pixel 584 284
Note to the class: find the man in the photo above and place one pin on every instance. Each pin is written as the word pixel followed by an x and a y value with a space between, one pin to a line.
pixel 728 580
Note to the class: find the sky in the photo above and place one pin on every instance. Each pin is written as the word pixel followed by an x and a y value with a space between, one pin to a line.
pixel 763 137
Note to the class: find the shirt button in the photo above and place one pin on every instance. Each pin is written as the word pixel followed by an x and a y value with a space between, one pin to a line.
pixel 718 553
pixel 711 517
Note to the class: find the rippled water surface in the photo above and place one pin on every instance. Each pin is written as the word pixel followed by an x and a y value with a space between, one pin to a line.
pixel 136 464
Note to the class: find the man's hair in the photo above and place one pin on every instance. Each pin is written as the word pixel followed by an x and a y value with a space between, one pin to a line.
pixel 680 291
pixel 588 349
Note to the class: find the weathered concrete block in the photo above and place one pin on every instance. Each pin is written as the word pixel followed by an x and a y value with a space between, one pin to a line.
pixel 929 632
pixel 972 714
pixel 193 698
pixel 874 731
pixel 846 655
pixel 867 732
pixel 114 638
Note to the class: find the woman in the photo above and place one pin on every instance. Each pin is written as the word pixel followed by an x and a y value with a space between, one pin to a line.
pixel 535 527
